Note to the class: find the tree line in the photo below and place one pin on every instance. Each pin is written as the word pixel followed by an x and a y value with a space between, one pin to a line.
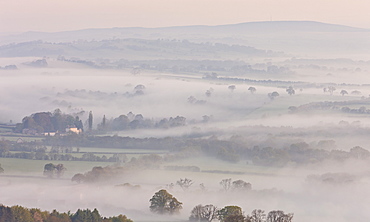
pixel 232 150
pixel 46 122
pixel 57 122
pixel 34 150
pixel 163 202
pixel 22 214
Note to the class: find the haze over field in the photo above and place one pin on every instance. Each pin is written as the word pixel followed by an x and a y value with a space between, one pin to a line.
pixel 271 93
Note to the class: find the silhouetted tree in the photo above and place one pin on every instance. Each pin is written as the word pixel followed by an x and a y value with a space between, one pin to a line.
pixel 49 170
pixel 290 90
pixel 232 88
pixel 79 178
pixel 241 185
pixel 252 89
pixel 343 92
pixel 90 121
pixel 331 89
pixel 273 95
pixel 184 183
pixel 60 169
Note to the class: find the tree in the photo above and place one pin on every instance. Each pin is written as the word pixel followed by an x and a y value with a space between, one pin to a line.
pixel 120 123
pixel 21 214
pixel 225 184
pixel 279 216
pixel 79 178
pixel 203 213
pixel 135 71
pixel 290 90
pixel 164 203
pixel 139 87
pixel 208 93
pixel 78 123
pixel 90 121
pixel 119 218
pixel 49 170
pixel 236 218
pixel 331 89
pixel 1 169
pixel 229 211
pixel 184 183
pixel 192 99
pixel 104 122
pixel 343 92
pixel 60 169
pixel 356 92
pixel 241 185
pixel 232 88
pixel 86 215
pixel 252 89
pixel 273 95
pixel 257 216
pixel 359 152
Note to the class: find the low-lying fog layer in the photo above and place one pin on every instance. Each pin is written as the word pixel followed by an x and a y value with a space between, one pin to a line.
pixel 259 119
pixel 286 189
pixel 113 93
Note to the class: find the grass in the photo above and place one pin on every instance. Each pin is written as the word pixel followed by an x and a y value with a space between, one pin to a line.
pixel 116 150
pixel 15 137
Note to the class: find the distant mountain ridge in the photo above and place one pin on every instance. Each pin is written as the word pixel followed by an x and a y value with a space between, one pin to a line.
pixel 178 31
pixel 305 26
pixel 286 36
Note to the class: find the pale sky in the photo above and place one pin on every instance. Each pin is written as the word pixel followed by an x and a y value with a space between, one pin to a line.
pixel 63 15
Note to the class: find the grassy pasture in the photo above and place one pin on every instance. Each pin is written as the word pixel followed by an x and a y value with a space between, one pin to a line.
pixel 15 137
pixel 116 150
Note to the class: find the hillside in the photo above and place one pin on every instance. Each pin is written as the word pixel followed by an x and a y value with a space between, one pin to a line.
pixel 289 36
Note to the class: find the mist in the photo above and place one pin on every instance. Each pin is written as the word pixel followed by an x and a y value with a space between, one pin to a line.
pixel 283 106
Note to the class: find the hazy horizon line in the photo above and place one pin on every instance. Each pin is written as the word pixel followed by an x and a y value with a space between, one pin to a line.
pixel 174 26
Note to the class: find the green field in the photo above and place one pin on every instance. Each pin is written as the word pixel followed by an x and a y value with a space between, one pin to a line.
pixel 15 137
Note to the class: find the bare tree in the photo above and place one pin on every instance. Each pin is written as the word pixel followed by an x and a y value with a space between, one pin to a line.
pixel 184 183
pixel 257 216
pixel 279 216
pixel 226 184
pixel 203 213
